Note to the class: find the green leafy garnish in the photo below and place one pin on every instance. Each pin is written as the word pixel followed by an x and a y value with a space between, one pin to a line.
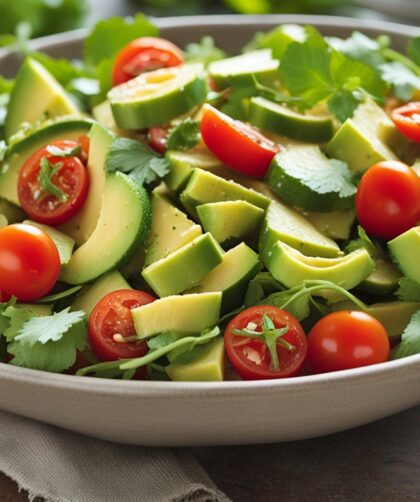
pixel 137 159
pixel 64 152
pixel 363 241
pixel 46 173
pixel 403 80
pixel 410 340
pixel 59 296
pixel 184 136
pixel 262 285
pixel 203 52
pixel 408 290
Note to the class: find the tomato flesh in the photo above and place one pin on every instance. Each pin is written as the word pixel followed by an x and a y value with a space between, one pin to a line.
pixel 236 144
pixel 29 262
pixel 71 179
pixel 145 54
pixel 251 358
pixel 388 199
pixel 407 120
pixel 112 316
pixel 157 137
pixel 345 340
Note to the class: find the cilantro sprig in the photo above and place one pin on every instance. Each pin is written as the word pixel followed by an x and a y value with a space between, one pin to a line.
pixel 410 340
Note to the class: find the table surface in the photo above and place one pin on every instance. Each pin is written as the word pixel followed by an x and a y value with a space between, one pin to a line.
pixel 379 462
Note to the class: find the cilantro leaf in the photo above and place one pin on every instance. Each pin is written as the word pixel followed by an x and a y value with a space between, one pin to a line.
pixel 16 318
pixel 404 81
pixel 45 176
pixel 359 46
pixel 410 340
pixel 141 162
pixel 408 290
pixel 64 152
pixel 184 136
pixel 277 39
pixel 414 50
pixel 111 35
pixel 203 52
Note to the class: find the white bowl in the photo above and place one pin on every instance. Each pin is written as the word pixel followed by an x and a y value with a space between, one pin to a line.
pixel 180 414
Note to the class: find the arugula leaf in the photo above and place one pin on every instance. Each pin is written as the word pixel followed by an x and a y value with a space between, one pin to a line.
pixel 203 52
pixel 184 136
pixel 141 162
pixel 45 176
pixel 414 50
pixel 410 340
pixel 408 290
pixel 64 152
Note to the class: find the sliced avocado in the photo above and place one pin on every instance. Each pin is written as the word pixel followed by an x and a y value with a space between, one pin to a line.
pixel 24 146
pixel 208 366
pixel 39 310
pixel 122 227
pixel 337 224
pixel 36 94
pixel 171 229
pixel 204 187
pixel 291 268
pixel 230 220
pixel 83 224
pixel 361 140
pixel 12 213
pixel 384 279
pixel 63 242
pixel 405 252
pixel 393 315
pixel 187 313
pixel 185 267
pixel 90 295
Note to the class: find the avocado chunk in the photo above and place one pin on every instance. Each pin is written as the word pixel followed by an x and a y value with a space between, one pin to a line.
pixel 291 268
pixel 90 295
pixel 284 224
pixel 186 313
pixel 393 315
pixel 405 252
pixel 208 366
pixel 171 229
pixel 232 276
pixel 25 145
pixel 36 94
pixel 185 267
pixel 337 224
pixel 361 140
pixel 122 227
pixel 384 279
pixel 230 220
pixel 81 226
pixel 12 213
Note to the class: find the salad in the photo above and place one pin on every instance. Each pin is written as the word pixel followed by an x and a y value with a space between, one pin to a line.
pixel 184 214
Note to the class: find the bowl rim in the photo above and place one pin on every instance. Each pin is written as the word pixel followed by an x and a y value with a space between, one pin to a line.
pixel 404 367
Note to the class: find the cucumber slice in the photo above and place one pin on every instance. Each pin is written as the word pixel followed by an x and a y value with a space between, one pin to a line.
pixel 123 225
pixel 36 94
pixel 296 169
pixel 404 251
pixel 240 70
pixel 279 119
pixel 156 97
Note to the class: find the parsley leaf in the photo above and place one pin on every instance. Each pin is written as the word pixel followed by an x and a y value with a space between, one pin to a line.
pixel 410 340
pixel 64 152
pixel 184 136
pixel 45 176
pixel 203 52
pixel 408 290
pixel 141 162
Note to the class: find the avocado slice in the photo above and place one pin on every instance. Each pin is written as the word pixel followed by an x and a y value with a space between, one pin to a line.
pixel 12 213
pixel 384 279
pixel 208 366
pixel 36 94
pixel 186 313
pixel 336 224
pixel 290 267
pixel 404 251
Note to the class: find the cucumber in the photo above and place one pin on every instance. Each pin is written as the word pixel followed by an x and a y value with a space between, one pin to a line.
pixel 280 119
pixel 157 97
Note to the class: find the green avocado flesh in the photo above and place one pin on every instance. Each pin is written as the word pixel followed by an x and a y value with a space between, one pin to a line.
pixel 405 252
pixel 336 225
pixel 384 279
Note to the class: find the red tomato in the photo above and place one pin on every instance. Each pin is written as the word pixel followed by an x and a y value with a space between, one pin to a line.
pixel 344 340
pixel 112 316
pixel 71 179
pixel 145 54
pixel 251 358
pixel 29 262
pixel 388 199
pixel 407 120
pixel 157 137
pixel 237 144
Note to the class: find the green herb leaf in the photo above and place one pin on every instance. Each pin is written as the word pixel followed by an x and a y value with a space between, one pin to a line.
pixel 161 340
pixel 64 152
pixel 359 46
pixel 363 241
pixel 45 176
pixel 414 50
pixel 408 290
pixel 410 340
pixel 404 81
pixel 203 52
pixel 298 306
pixel 16 318
pixel 262 285
pixel 277 39
pixel 184 136
pixel 59 296
pixel 238 101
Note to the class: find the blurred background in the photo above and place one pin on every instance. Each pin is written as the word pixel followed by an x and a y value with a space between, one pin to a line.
pixel 44 17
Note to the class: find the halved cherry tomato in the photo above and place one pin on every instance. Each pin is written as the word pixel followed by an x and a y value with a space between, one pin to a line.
pixel 157 137
pixel 251 358
pixel 237 144
pixel 71 179
pixel 145 54
pixel 29 262
pixel 344 340
pixel 407 120
pixel 112 316
pixel 388 199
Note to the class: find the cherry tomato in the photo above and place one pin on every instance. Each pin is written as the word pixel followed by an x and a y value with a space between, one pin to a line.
pixel 237 144
pixel 388 199
pixel 346 339
pixel 71 179
pixel 251 358
pixel 112 316
pixel 407 120
pixel 29 262
pixel 157 137
pixel 145 54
